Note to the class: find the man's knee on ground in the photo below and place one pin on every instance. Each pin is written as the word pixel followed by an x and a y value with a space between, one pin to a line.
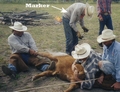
pixel 100 64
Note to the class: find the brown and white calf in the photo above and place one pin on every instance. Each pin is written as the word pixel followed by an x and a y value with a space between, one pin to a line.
pixel 63 69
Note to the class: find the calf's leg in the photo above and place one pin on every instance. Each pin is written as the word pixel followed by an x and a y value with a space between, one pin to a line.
pixel 45 73
pixel 48 55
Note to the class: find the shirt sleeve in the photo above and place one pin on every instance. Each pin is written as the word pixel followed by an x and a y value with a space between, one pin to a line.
pixel 104 52
pixel 22 45
pixel 72 22
pixel 117 66
pixel 88 83
pixel 16 47
pixel 81 22
pixel 32 43
pixel 75 16
pixel 98 7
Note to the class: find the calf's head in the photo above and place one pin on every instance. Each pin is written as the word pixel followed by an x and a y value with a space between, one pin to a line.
pixel 80 70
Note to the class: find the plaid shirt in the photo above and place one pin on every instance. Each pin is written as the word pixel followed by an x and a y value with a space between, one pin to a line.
pixel 104 6
pixel 90 68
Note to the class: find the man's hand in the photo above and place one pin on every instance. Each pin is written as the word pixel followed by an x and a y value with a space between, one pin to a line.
pixel 33 52
pixel 85 29
pixel 79 35
pixel 100 18
pixel 100 80
pixel 116 86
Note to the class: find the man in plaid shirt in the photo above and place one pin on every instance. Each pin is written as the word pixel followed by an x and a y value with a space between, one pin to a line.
pixel 89 59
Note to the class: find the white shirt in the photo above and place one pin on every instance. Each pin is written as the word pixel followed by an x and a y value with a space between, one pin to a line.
pixel 21 44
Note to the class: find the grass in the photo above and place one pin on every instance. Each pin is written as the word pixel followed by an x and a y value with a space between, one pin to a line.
pixel 52 36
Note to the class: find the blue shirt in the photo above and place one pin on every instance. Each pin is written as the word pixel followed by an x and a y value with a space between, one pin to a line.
pixel 90 68
pixel 112 54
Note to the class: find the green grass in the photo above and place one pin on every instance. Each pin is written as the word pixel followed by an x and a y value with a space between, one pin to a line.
pixel 52 36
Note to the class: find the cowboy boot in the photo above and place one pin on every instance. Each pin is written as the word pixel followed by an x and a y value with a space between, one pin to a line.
pixel 8 72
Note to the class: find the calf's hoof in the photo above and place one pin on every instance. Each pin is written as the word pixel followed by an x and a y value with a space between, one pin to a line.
pixel 33 78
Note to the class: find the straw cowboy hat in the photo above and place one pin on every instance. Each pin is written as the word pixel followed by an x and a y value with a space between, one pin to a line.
pixel 81 51
pixel 107 35
pixel 89 10
pixel 18 27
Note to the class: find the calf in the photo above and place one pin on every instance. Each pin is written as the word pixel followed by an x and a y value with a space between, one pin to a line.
pixel 63 70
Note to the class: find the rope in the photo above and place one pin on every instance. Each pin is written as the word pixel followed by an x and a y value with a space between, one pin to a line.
pixel 54 85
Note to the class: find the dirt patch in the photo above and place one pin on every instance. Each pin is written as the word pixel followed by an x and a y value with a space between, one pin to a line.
pixel 23 82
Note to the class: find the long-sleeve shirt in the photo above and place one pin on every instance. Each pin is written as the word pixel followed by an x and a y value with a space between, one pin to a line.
pixel 104 6
pixel 90 68
pixel 73 14
pixel 21 44
pixel 112 54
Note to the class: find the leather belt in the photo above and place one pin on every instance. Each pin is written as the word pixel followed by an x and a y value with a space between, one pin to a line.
pixel 106 13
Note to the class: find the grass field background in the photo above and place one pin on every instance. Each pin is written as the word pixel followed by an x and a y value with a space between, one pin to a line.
pixel 52 36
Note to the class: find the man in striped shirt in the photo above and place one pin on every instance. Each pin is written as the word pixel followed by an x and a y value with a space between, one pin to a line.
pixel 89 59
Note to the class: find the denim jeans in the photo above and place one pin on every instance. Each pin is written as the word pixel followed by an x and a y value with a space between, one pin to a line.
pixel 108 68
pixel 44 67
pixel 25 57
pixel 12 67
pixel 106 21
pixel 71 36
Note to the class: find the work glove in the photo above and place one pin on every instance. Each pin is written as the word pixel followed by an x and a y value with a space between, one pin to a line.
pixel 85 29
pixel 79 35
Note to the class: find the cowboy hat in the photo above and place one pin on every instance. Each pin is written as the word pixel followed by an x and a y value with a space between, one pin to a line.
pixel 81 51
pixel 89 10
pixel 18 27
pixel 107 35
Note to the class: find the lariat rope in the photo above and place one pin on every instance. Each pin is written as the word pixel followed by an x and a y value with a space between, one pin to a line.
pixel 54 85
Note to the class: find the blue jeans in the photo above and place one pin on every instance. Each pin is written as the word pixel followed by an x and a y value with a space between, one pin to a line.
pixel 13 68
pixel 71 36
pixel 25 57
pixel 106 21
pixel 44 67
pixel 108 68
